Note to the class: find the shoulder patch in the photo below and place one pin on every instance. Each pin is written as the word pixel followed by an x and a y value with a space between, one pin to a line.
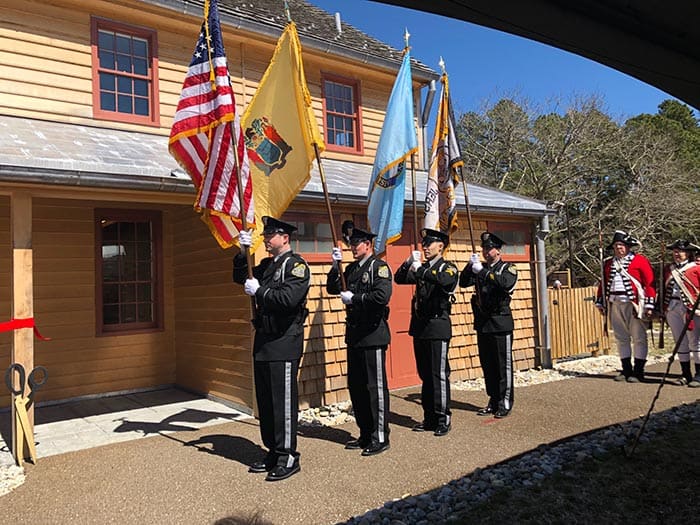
pixel 299 270
pixel 512 269
pixel 383 271
pixel 451 270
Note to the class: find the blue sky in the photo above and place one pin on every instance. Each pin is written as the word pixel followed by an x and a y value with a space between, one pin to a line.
pixel 485 65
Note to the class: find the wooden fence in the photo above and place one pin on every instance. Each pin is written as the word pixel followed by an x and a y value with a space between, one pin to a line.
pixel 576 326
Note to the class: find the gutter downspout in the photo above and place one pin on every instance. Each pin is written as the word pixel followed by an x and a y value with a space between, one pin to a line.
pixel 545 335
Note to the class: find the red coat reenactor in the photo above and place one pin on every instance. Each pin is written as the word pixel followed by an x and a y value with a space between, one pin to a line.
pixel 629 297
pixel 681 285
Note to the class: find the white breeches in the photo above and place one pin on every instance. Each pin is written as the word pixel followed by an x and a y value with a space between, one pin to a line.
pixel 629 330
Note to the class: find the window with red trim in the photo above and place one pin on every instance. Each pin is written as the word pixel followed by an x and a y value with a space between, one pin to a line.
pixel 124 72
pixel 128 269
pixel 313 239
pixel 517 239
pixel 341 114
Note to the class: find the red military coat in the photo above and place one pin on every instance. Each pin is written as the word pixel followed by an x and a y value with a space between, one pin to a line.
pixel 637 277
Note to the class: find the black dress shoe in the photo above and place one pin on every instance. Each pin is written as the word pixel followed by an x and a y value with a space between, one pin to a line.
pixel 442 430
pixel 279 472
pixel 357 444
pixel 487 410
pixel 264 465
pixel 501 413
pixel 424 427
pixel 375 448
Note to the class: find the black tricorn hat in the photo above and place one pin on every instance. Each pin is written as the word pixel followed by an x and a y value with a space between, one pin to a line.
pixel 491 240
pixel 430 235
pixel 623 237
pixel 273 225
pixel 683 244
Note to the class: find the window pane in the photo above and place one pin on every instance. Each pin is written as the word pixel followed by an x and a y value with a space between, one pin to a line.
pixel 110 293
pixel 124 85
pixel 105 40
pixel 110 267
pixel 124 63
pixel 106 59
pixel 324 246
pixel 323 231
pixel 110 231
pixel 307 246
pixel 141 106
pixel 108 102
pixel 144 293
pixel 110 314
pixel 124 44
pixel 143 251
pixel 107 82
pixel 140 67
pixel 140 47
pixel 128 313
pixel 127 293
pixel 127 231
pixel 144 271
pixel 145 312
pixel 143 231
pixel 125 104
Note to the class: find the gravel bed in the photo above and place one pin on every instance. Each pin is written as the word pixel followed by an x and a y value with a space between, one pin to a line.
pixel 446 503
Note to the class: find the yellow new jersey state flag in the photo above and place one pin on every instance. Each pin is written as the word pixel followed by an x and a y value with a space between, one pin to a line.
pixel 280 132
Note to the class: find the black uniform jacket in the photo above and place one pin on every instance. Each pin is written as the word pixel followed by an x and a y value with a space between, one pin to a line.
pixel 495 285
pixel 366 318
pixel 432 302
pixel 280 305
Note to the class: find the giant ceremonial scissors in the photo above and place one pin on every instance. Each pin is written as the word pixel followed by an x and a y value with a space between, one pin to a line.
pixel 23 400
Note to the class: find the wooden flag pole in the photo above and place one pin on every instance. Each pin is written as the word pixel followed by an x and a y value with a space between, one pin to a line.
pixel 334 235
pixel 469 214
pixel 244 221
pixel 415 206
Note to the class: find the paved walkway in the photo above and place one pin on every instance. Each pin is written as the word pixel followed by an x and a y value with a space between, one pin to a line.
pixel 200 476
pixel 90 423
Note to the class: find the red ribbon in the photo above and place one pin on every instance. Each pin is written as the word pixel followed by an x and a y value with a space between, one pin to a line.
pixel 15 324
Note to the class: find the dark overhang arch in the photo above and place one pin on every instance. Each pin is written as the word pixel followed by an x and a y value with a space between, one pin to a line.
pixel 656 41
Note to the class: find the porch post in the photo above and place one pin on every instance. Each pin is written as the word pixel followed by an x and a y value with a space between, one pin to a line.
pixel 22 302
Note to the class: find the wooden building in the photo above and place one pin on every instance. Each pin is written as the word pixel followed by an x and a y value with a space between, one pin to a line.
pixel 98 239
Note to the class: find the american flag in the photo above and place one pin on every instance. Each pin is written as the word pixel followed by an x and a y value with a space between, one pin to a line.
pixel 201 136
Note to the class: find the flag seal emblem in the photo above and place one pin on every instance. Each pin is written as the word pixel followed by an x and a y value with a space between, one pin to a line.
pixel 266 147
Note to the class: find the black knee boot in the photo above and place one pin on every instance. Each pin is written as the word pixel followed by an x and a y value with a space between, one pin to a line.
pixel 626 369
pixel 639 369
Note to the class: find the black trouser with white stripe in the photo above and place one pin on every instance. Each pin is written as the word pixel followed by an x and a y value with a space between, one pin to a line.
pixel 277 395
pixel 434 371
pixel 369 392
pixel 496 356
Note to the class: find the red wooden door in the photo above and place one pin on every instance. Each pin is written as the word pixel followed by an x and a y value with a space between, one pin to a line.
pixel 400 363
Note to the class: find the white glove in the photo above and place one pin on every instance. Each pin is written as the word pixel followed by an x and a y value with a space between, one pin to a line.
pixel 245 238
pixel 337 255
pixel 415 265
pixel 346 296
pixel 476 263
pixel 251 286
pixel 416 255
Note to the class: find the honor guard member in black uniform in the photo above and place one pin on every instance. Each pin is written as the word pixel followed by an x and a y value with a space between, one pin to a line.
pixel 493 321
pixel 280 285
pixel 431 328
pixel 367 336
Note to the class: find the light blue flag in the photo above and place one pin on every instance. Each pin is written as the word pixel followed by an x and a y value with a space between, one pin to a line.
pixel 396 144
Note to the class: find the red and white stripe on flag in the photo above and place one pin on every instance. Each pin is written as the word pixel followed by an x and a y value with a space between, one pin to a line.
pixel 201 138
